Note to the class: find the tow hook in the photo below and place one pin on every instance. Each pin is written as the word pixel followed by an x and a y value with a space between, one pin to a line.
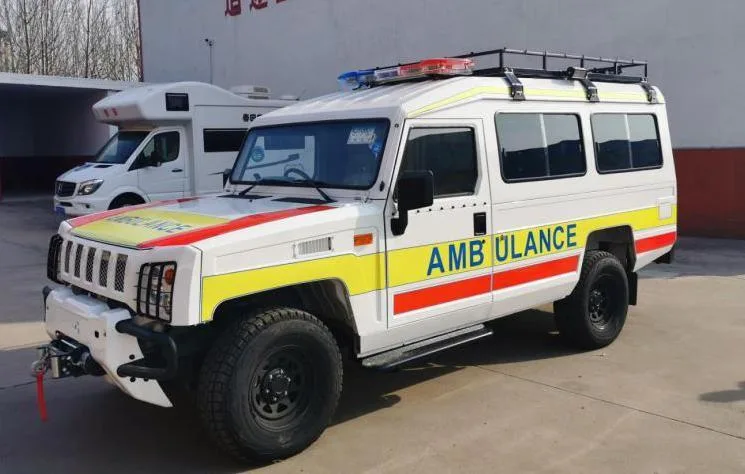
pixel 65 358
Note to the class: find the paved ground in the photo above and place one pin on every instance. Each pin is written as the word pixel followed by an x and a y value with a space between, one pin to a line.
pixel 668 396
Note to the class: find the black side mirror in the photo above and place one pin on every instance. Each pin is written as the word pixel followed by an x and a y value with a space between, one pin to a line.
pixel 226 176
pixel 414 190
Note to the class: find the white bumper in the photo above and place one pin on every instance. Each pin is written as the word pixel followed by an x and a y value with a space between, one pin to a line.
pixel 91 323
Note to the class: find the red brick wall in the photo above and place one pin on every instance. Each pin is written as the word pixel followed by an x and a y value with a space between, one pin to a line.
pixel 711 192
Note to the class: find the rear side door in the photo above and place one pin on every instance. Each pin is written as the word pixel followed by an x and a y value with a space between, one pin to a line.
pixel 161 165
pixel 439 267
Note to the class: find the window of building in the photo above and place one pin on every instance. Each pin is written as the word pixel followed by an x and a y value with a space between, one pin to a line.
pixel 626 142
pixel 449 153
pixel 223 140
pixel 540 146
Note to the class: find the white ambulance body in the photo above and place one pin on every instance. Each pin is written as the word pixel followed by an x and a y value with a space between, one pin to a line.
pixel 173 140
pixel 394 220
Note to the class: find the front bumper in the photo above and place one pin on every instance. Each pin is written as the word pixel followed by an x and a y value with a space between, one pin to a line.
pixel 79 205
pixel 109 335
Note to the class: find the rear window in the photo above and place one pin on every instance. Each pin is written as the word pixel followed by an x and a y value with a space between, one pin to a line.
pixel 540 146
pixel 626 142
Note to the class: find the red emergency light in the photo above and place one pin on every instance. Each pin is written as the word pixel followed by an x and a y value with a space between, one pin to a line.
pixel 437 67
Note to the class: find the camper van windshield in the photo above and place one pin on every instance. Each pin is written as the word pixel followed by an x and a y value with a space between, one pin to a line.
pixel 120 147
pixel 340 154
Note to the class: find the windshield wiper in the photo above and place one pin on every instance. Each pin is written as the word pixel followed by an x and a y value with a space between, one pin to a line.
pixel 317 185
pixel 263 182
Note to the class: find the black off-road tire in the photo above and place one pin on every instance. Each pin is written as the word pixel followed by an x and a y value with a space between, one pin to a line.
pixel 594 314
pixel 256 356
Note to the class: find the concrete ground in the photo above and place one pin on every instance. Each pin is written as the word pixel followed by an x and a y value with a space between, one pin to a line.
pixel 668 396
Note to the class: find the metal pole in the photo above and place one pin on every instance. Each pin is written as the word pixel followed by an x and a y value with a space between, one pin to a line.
pixel 210 44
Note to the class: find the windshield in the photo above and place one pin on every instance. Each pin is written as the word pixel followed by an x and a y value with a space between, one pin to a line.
pixel 343 154
pixel 120 147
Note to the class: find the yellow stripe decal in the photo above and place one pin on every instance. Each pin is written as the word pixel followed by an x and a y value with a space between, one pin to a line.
pixel 134 227
pixel 558 93
pixel 361 274
pixel 416 264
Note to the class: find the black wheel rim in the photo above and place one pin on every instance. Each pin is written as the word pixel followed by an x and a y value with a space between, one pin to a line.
pixel 281 388
pixel 604 302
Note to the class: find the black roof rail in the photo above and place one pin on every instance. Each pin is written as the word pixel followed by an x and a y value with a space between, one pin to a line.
pixel 587 69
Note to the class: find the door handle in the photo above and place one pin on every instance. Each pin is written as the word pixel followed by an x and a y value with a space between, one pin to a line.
pixel 177 170
pixel 479 223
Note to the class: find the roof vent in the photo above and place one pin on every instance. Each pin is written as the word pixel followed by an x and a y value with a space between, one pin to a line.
pixel 251 92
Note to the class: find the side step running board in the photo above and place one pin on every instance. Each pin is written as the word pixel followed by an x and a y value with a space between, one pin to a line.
pixel 402 355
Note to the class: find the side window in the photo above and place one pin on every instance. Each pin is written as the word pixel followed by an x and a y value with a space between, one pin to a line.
pixel 626 142
pixel 449 153
pixel 540 146
pixel 223 140
pixel 162 148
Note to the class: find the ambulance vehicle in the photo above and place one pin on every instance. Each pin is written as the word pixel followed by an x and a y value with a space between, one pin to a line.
pixel 391 221
pixel 173 140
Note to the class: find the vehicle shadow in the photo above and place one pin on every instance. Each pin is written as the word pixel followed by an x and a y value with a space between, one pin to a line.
pixel 725 396
pixel 702 257
pixel 95 428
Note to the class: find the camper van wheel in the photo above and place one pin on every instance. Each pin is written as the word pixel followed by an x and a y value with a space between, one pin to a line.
pixel 126 200
pixel 270 384
pixel 593 315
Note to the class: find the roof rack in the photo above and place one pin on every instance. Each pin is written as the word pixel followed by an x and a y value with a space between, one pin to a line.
pixel 604 70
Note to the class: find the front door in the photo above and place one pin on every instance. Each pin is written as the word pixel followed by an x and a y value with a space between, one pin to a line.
pixel 161 166
pixel 439 267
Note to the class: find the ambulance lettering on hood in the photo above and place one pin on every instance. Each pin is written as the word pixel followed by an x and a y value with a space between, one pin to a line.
pixel 182 222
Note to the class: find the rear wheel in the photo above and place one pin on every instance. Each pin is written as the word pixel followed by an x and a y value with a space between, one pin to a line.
pixel 270 384
pixel 595 313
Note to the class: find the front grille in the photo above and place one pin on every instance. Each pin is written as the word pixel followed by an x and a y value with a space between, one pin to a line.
pixel 53 257
pixel 78 257
pixel 103 275
pixel 91 268
pixel 68 251
pixel 89 264
pixel 121 268
pixel 64 189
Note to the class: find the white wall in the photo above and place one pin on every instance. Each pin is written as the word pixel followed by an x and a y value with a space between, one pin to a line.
pixel 300 46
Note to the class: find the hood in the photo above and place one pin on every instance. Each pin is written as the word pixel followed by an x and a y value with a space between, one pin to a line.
pixel 90 171
pixel 186 221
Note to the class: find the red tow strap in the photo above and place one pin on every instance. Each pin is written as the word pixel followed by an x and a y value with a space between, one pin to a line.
pixel 41 402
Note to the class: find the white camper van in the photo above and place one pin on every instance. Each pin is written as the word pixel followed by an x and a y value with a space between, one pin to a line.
pixel 173 140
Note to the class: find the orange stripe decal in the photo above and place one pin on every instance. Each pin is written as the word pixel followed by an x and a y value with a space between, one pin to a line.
pixel 656 242
pixel 540 271
pixel 99 216
pixel 434 295
pixel 196 235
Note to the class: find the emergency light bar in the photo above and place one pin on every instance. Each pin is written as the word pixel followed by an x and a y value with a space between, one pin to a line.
pixel 429 67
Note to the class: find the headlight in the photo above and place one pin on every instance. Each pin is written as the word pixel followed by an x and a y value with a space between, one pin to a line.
pixel 89 187
pixel 155 290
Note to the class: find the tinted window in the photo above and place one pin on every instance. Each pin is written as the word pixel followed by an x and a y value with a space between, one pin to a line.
pixel 162 148
pixel 626 142
pixel 219 141
pixel 449 153
pixel 540 146
pixel 645 143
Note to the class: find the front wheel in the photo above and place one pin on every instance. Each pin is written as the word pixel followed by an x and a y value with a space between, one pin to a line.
pixel 270 384
pixel 594 314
